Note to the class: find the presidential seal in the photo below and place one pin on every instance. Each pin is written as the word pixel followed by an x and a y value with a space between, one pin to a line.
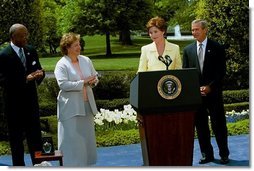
pixel 169 87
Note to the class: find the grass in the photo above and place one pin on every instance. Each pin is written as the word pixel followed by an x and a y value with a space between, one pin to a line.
pixel 122 58
pixel 100 64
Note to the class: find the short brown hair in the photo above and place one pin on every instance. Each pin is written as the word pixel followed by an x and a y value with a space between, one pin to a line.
pixel 67 40
pixel 157 22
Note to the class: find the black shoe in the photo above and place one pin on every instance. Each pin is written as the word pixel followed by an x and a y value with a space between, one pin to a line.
pixel 224 160
pixel 206 160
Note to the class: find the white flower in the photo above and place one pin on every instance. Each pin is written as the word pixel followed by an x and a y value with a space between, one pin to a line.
pixel 117 117
pixel 44 163
pixel 236 116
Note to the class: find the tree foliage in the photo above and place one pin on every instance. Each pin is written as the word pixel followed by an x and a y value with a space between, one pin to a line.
pixel 107 17
pixel 27 12
pixel 229 23
pixel 168 8
pixel 184 14
pixel 50 33
pixel 113 16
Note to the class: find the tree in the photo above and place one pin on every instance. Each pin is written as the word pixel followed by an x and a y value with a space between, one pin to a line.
pixel 185 14
pixel 27 12
pixel 167 8
pixel 97 17
pixel 50 34
pixel 108 17
pixel 229 23
pixel 132 15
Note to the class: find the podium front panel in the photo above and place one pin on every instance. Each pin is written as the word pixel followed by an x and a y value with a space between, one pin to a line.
pixel 145 97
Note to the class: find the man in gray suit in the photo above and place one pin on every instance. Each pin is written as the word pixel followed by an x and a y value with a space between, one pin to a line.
pixel 208 57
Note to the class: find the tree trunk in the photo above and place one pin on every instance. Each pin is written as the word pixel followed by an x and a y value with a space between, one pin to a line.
pixel 125 37
pixel 108 47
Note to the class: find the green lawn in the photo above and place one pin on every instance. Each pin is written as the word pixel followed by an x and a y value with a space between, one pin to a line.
pixel 123 57
pixel 106 64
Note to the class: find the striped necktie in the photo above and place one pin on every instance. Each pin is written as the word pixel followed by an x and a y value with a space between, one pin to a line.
pixel 22 57
pixel 200 57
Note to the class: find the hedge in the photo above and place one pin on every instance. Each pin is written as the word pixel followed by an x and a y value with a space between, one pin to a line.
pixel 112 93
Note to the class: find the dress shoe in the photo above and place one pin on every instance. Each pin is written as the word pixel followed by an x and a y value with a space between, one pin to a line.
pixel 224 160
pixel 206 160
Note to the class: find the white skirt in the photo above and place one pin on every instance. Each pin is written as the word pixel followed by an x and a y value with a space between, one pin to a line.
pixel 77 141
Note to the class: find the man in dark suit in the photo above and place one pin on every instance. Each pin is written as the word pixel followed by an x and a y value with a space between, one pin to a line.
pixel 209 59
pixel 20 71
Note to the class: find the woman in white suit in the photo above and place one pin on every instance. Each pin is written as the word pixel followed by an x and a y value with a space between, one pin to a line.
pixel 76 106
pixel 159 48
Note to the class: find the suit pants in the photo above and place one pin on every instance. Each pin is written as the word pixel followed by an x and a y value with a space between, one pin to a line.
pixel 218 125
pixel 21 126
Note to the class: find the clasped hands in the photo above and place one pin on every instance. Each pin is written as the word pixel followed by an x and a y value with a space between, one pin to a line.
pixel 35 75
pixel 204 90
pixel 91 81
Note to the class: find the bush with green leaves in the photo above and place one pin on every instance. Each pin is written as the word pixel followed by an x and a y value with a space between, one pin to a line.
pixel 131 136
pixel 112 104
pixel 114 85
pixel 235 96
pixel 229 24
pixel 239 128
pixel 236 106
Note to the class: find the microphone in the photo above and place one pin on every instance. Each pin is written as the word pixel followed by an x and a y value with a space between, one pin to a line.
pixel 162 59
pixel 167 60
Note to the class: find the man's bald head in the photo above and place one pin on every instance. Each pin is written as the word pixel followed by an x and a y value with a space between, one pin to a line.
pixel 18 34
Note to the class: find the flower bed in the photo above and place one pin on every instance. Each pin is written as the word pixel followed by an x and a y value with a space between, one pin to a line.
pixel 116 120
pixel 234 116
pixel 126 119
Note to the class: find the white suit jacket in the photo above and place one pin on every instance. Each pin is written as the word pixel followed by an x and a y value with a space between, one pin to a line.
pixel 149 57
pixel 70 100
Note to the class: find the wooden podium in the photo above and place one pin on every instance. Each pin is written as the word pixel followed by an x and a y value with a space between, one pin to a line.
pixel 166 102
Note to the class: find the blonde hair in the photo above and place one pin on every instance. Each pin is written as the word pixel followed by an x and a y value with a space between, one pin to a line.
pixel 67 40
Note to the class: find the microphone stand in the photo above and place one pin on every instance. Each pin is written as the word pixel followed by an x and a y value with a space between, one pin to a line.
pixel 167 60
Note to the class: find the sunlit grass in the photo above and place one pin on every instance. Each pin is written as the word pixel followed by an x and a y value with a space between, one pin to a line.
pixel 122 58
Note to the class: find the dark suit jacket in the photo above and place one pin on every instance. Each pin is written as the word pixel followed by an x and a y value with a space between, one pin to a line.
pixel 18 93
pixel 214 68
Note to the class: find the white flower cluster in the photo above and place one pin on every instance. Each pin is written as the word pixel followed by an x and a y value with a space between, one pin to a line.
pixel 234 116
pixel 44 163
pixel 116 116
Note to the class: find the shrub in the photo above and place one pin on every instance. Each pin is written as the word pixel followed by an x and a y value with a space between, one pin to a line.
pixel 114 85
pixel 238 128
pixel 112 104
pixel 123 137
pixel 236 106
pixel 48 91
pixel 47 109
pixel 235 96
pixel 117 137
pixel 4 148
pixel 111 93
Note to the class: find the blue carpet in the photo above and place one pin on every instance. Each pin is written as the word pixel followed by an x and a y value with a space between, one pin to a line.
pixel 131 155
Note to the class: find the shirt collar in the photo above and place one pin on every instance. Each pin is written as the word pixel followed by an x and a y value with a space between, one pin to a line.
pixel 15 48
pixel 203 43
